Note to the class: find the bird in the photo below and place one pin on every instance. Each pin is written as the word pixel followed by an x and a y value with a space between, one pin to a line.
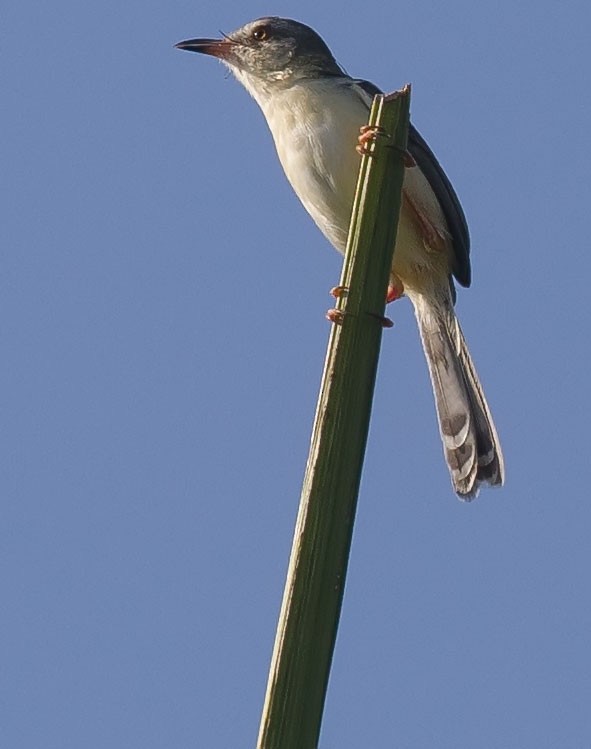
pixel 315 112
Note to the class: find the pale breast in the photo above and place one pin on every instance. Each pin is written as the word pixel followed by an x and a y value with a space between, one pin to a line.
pixel 316 146
pixel 315 128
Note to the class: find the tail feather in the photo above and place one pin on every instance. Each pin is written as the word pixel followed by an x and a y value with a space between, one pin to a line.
pixel 470 442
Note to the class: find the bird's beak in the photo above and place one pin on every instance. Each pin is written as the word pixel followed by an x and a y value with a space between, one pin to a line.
pixel 215 47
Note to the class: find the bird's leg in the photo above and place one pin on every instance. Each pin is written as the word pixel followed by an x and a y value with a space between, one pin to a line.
pixel 369 133
pixel 338 292
pixel 384 321
pixel 337 316
pixel 431 236
pixel 395 289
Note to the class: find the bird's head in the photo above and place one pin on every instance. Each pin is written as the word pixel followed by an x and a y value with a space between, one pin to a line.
pixel 270 52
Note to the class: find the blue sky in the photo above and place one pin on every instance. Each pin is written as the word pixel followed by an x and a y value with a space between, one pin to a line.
pixel 163 335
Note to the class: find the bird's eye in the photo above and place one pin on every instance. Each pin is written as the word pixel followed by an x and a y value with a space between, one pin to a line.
pixel 260 34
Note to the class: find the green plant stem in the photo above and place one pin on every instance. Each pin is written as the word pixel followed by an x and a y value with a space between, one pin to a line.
pixel 315 583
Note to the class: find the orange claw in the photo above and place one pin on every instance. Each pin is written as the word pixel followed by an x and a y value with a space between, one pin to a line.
pixel 384 321
pixel 335 316
pixel 395 290
pixel 338 292
pixel 367 133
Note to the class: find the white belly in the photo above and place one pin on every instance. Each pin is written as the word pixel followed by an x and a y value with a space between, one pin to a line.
pixel 316 147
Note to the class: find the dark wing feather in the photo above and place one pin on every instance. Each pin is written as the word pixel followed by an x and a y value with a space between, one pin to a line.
pixel 441 186
pixel 446 195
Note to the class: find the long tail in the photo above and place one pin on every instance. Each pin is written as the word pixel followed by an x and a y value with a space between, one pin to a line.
pixel 470 441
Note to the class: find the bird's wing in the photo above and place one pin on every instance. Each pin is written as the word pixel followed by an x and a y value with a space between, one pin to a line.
pixel 441 186
pixel 446 195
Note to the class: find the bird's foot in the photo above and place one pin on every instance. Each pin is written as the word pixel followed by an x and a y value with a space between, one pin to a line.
pixel 395 290
pixel 335 316
pixel 385 322
pixel 368 135
pixel 338 292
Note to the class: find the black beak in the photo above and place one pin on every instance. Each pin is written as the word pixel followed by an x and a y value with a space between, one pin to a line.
pixel 215 47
